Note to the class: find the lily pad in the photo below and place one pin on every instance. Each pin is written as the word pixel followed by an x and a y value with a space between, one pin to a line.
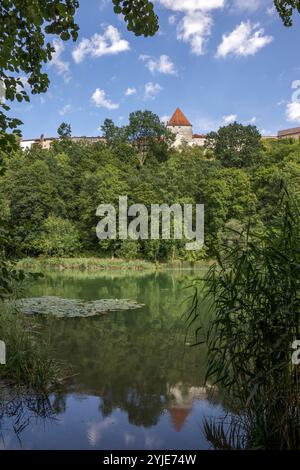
pixel 70 308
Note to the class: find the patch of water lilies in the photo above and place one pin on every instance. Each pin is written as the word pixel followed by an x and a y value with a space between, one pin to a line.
pixel 70 308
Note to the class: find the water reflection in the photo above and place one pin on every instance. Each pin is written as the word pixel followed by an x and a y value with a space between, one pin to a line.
pixel 21 410
pixel 136 384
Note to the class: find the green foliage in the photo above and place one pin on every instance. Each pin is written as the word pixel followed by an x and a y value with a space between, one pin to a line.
pixel 32 193
pixel 9 276
pixel 286 10
pixel 139 16
pixel 84 264
pixel 148 135
pixel 236 145
pixel 256 317
pixel 69 181
pixel 24 28
pixel 64 131
pixel 130 249
pixel 112 133
pixel 57 237
pixel 145 134
pixel 29 361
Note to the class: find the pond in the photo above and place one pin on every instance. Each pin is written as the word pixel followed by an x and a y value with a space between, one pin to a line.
pixel 135 384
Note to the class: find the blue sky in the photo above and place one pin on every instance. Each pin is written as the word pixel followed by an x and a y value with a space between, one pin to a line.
pixel 218 60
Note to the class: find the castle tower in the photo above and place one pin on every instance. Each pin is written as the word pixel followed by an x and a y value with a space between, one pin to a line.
pixel 181 127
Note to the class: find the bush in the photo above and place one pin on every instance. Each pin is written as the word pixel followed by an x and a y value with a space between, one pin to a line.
pixel 129 250
pixel 59 237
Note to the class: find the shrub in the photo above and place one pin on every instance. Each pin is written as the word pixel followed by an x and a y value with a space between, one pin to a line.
pixel 58 237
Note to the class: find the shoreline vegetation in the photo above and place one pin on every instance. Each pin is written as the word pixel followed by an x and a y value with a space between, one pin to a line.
pixel 30 363
pixel 104 264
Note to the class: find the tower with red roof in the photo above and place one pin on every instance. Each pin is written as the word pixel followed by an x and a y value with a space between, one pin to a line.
pixel 181 127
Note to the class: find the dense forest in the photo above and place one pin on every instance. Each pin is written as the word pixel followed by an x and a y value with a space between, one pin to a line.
pixel 48 198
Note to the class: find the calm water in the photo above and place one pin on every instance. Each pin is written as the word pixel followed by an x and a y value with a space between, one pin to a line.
pixel 135 384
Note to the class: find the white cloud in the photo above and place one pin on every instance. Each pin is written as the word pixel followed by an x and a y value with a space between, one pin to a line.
pixel 196 24
pixel 66 109
pixel 163 64
pixel 100 99
pixel 246 39
pixel 229 119
pixel 62 67
pixel 109 43
pixel 130 91
pixel 252 120
pixel 195 29
pixel 96 430
pixel 151 90
pixel 293 111
pixel 244 5
pixel 192 5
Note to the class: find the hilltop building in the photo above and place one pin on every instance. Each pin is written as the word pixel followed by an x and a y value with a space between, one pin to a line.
pixel 183 129
pixel 293 133
pixel 46 142
pixel 178 124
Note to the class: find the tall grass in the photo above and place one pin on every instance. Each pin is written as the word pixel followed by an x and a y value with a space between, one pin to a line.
pixel 255 287
pixel 29 361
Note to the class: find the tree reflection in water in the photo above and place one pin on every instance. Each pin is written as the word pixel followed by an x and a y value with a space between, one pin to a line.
pixel 21 409
pixel 129 367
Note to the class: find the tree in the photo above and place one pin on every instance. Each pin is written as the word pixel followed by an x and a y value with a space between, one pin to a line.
pixel 112 133
pixel 139 16
pixel 129 249
pixel 24 27
pixel 146 131
pixel 286 9
pixel 64 131
pixel 32 196
pixel 236 145
pixel 58 237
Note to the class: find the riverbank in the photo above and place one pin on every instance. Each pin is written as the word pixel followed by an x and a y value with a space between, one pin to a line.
pixel 85 264
pixel 104 264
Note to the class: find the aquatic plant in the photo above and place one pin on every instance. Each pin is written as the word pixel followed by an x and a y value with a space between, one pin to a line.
pixel 71 308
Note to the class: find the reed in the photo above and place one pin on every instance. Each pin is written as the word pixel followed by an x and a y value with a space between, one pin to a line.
pixel 255 317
